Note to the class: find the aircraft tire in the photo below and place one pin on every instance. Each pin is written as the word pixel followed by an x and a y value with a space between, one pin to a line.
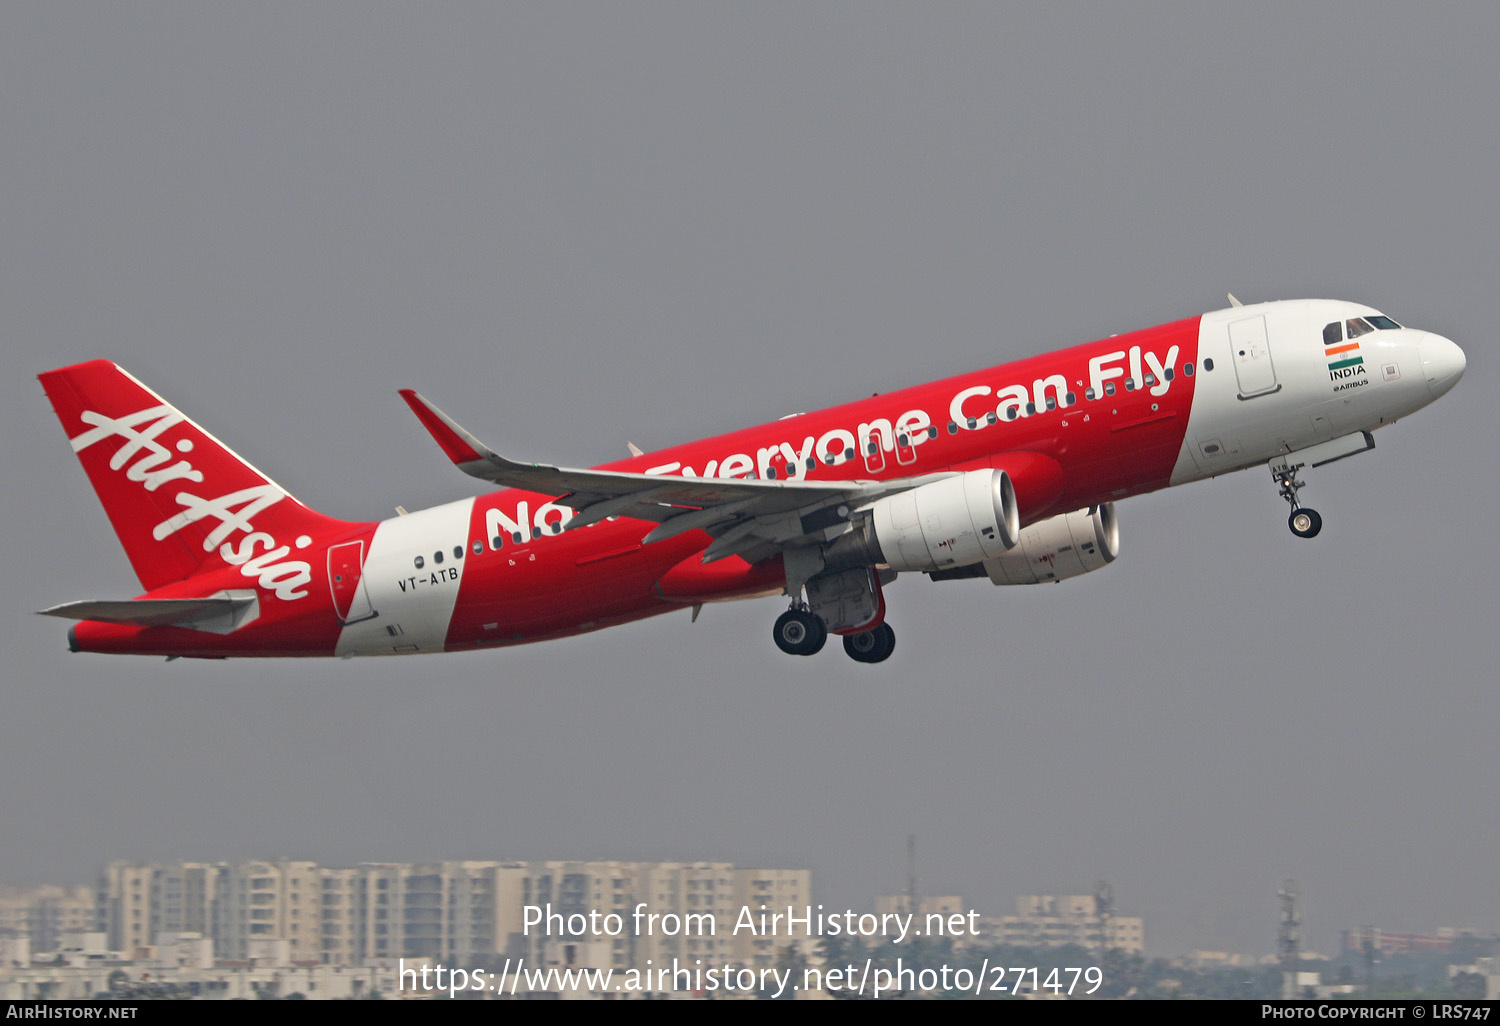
pixel 861 646
pixel 872 646
pixel 798 632
pixel 1305 523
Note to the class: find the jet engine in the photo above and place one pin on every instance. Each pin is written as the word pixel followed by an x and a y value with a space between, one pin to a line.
pixel 1060 547
pixel 947 523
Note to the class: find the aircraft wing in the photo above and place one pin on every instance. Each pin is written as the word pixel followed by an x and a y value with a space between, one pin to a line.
pixel 749 518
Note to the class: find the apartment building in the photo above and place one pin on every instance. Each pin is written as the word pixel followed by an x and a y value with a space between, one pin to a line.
pixel 123 904
pixel 1049 920
pixel 464 913
pixel 268 900
pixel 43 914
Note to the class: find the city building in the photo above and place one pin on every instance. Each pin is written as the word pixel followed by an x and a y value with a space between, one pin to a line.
pixel 1049 920
pixel 465 913
pixel 42 915
pixel 1387 943
pixel 691 909
pixel 124 904
pixel 900 904
pixel 266 900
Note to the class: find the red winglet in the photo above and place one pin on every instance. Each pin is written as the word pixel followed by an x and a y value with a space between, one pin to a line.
pixel 449 440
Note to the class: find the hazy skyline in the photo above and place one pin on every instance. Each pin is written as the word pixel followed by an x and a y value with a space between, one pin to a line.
pixel 576 225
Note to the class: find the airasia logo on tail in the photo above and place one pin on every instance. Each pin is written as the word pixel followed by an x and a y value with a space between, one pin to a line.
pixel 149 463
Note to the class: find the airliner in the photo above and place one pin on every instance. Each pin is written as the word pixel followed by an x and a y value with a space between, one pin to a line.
pixel 1009 474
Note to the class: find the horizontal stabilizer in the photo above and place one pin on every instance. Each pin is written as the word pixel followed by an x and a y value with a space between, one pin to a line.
pixel 217 615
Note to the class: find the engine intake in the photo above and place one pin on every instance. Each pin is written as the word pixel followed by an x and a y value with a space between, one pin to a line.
pixel 953 522
pixel 1060 547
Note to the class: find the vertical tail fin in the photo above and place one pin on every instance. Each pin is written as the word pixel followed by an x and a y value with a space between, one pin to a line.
pixel 180 500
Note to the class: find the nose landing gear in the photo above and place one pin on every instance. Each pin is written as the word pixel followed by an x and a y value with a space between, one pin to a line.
pixel 1304 522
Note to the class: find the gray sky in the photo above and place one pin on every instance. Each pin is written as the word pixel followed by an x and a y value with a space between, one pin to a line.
pixel 573 225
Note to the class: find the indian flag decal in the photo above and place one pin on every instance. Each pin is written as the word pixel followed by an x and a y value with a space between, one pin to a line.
pixel 1337 355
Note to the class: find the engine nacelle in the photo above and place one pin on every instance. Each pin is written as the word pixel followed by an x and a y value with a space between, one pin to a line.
pixel 1060 547
pixel 953 522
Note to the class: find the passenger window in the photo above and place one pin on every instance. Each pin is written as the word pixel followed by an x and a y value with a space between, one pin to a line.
pixel 1187 369
pixel 536 532
pixel 437 558
pixel 1109 388
pixel 1069 399
pixel 1208 363
pixel 478 546
pixel 952 428
pixel 458 552
pixel 418 563
pixel 1089 395
pixel 1333 334
pixel 1358 326
pixel 1011 413
pixel 932 431
pixel 497 542
pixel 1030 409
pixel 1169 374
pixel 770 473
pixel 517 537
pixel 1051 402
pixel 991 419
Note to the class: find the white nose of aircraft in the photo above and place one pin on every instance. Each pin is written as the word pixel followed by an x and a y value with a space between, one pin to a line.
pixel 1442 363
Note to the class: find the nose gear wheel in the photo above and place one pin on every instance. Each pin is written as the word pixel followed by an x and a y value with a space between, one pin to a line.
pixel 1304 521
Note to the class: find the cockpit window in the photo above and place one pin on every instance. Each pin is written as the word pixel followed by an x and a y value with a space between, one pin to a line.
pixel 1358 326
pixel 1383 322
pixel 1333 334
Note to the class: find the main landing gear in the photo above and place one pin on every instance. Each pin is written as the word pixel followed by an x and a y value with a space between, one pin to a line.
pixel 1304 522
pixel 802 632
pixel 872 646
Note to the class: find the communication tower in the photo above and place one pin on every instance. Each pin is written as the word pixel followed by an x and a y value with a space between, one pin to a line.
pixel 1289 938
pixel 1104 908
pixel 911 874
